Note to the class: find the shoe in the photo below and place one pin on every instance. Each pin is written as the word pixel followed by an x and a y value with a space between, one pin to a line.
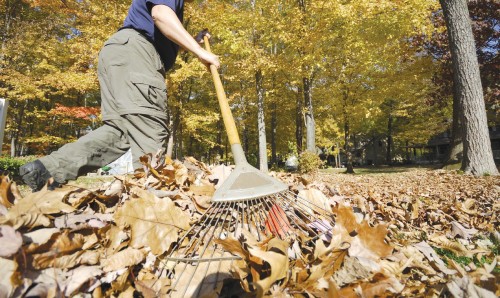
pixel 35 175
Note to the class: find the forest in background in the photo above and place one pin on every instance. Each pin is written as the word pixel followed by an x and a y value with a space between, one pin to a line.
pixel 299 74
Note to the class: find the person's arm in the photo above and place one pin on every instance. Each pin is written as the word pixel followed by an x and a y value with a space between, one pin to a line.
pixel 169 24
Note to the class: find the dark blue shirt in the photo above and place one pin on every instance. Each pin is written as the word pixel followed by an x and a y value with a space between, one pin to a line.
pixel 139 18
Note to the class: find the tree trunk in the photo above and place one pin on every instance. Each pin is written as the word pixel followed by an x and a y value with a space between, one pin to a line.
pixel 389 140
pixel 261 124
pixel 455 152
pixel 274 126
pixel 309 117
pixel 299 124
pixel 347 136
pixel 348 153
pixel 478 155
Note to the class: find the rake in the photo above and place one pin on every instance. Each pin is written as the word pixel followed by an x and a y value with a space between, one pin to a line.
pixel 249 202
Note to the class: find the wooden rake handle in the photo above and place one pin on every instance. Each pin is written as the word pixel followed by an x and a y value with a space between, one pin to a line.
pixel 227 116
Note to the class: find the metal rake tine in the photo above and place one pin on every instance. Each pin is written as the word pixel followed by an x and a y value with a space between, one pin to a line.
pixel 301 200
pixel 194 240
pixel 181 240
pixel 213 252
pixel 178 277
pixel 316 220
pixel 261 223
pixel 277 216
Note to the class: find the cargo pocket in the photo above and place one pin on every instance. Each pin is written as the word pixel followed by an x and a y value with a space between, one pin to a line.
pixel 117 39
pixel 114 52
pixel 151 91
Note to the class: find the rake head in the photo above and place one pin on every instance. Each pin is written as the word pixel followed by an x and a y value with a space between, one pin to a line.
pixel 245 183
pixel 198 265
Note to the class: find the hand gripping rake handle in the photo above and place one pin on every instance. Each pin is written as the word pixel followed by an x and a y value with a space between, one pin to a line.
pixel 227 116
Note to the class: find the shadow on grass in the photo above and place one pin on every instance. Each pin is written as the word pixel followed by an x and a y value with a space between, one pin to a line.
pixel 382 169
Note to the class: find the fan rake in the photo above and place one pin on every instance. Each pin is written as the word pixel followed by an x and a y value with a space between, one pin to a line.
pixel 248 204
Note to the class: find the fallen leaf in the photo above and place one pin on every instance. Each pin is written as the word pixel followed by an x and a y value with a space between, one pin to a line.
pixel 11 241
pixel 78 276
pixel 154 222
pixel 465 288
pixel 458 229
pixel 43 202
pixel 6 195
pixel 123 259
pixel 28 220
pixel 41 236
pixel 7 270
pixel 432 256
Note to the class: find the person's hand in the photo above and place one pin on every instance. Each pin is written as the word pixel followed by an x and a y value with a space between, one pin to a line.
pixel 208 58
pixel 199 38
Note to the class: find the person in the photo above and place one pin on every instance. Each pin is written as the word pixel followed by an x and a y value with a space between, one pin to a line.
pixel 131 72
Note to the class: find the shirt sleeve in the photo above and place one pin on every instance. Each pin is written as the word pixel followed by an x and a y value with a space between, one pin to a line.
pixel 170 3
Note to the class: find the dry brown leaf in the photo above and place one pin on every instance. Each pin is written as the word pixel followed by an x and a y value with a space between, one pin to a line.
pixel 6 195
pixel 443 242
pixel 28 220
pixel 202 190
pixel 123 259
pixel 278 261
pixel 80 221
pixel 379 286
pixel 41 236
pixel 373 238
pixel 82 257
pixel 10 241
pixel 43 202
pixel 154 222
pixel 465 288
pixel 351 271
pixel 7 271
pixel 114 189
pixel 207 279
pixel 181 173
pixel 314 199
pixel 458 229
pixel 432 256
pixel 77 277
pixel 116 240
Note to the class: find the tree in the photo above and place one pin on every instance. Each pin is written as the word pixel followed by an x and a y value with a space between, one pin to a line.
pixel 485 21
pixel 478 155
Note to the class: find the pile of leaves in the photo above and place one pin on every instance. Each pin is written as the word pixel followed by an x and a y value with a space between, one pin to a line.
pixel 424 233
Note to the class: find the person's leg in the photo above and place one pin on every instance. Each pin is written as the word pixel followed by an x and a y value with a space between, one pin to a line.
pixel 98 148
pixel 90 152
pixel 146 134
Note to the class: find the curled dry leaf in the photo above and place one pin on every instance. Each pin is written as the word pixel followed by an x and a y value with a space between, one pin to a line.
pixel 123 259
pixel 6 195
pixel 82 257
pixel 432 256
pixel 27 220
pixel 79 276
pixel 41 236
pixel 80 221
pixel 10 240
pixel 7 271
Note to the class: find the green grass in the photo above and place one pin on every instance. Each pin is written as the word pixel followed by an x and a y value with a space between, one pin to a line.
pixel 464 261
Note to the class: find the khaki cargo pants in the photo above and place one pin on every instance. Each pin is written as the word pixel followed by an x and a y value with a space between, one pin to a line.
pixel 133 106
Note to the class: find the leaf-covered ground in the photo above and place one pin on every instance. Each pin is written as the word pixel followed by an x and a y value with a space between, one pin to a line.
pixel 423 233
